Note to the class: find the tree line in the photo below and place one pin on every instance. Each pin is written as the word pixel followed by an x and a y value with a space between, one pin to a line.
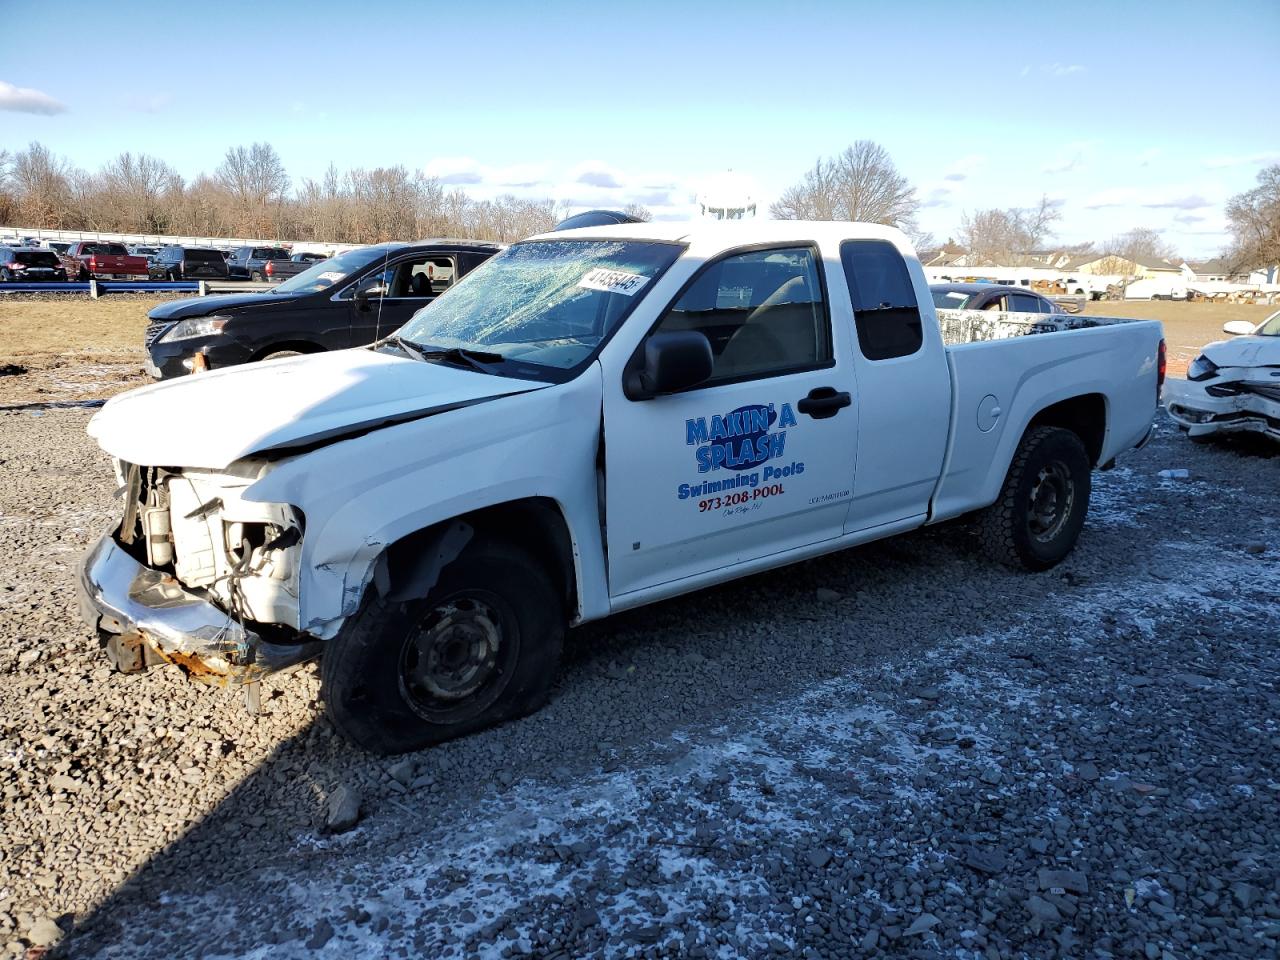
pixel 250 194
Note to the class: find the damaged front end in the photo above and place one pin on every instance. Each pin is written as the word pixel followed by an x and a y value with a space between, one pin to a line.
pixel 198 576
pixel 1229 401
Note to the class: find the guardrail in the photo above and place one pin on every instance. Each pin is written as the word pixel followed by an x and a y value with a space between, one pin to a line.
pixel 97 288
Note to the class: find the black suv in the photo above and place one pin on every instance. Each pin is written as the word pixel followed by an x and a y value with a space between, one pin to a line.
pixel 188 263
pixel 31 265
pixel 347 301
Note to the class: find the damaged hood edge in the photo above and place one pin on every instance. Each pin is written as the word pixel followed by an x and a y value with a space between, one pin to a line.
pixel 284 407
pixel 1254 351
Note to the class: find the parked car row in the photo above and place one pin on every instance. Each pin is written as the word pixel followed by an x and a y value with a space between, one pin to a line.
pixel 103 260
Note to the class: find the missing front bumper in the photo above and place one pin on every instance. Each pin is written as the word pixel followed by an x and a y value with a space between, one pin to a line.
pixel 148 616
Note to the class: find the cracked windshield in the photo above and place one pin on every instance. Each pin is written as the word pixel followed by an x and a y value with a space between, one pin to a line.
pixel 550 302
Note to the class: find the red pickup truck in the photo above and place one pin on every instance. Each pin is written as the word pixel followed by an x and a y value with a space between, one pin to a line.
pixel 102 261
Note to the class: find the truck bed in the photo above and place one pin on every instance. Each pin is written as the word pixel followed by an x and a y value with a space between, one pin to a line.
pixel 974 326
pixel 999 363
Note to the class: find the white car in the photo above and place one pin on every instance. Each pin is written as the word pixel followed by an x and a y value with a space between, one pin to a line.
pixel 1233 386
pixel 591 421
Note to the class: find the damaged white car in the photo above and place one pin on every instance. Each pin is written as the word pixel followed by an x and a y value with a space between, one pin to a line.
pixel 591 421
pixel 1233 386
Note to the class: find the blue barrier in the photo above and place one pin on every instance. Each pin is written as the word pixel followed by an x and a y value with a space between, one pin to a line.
pixel 107 286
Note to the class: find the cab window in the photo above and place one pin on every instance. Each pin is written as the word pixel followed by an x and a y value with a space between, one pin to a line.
pixel 885 313
pixel 764 313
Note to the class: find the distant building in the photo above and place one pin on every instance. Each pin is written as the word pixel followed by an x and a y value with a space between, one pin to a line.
pixel 948 255
pixel 1217 270
pixel 1110 264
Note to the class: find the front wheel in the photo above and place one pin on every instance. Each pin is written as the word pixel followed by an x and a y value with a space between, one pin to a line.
pixel 1042 506
pixel 278 354
pixel 482 647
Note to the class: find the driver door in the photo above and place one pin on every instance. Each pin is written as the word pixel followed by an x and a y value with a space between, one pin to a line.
pixel 758 459
pixel 384 300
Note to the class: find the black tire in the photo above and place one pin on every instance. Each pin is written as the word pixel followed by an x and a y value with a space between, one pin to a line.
pixel 276 354
pixel 1042 506
pixel 6 276
pixel 256 277
pixel 377 678
pixel 84 275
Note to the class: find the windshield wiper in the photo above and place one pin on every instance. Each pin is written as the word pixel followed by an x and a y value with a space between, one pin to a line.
pixel 408 346
pixel 463 357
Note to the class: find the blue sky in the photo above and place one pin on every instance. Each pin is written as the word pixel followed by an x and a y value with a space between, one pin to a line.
pixel 1130 114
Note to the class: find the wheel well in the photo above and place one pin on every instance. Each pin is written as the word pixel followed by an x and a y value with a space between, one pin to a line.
pixel 1085 416
pixel 413 562
pixel 301 346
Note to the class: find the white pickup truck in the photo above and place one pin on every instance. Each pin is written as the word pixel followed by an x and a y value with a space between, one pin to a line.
pixel 594 420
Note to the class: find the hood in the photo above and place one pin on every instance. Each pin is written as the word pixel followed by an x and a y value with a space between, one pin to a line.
pixel 213 419
pixel 219 303
pixel 1254 351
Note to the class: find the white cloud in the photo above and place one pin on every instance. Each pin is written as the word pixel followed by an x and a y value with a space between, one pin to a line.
pixel 1073 157
pixel 1147 157
pixel 1157 198
pixel 1240 160
pixel 26 100
pixel 596 174
pixel 1062 69
pixel 454 171
pixel 965 167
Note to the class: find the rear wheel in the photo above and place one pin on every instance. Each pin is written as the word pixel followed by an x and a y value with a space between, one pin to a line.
pixel 1042 506
pixel 482 647
pixel 277 354
pixel 256 276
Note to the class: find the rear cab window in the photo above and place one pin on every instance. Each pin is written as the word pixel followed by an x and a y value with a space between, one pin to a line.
pixel 886 315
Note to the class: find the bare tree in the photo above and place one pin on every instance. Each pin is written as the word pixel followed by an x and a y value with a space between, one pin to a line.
pixel 859 184
pixel 42 183
pixel 1006 237
pixel 256 180
pixel 1141 243
pixel 135 189
pixel 639 211
pixel 8 195
pixel 1254 217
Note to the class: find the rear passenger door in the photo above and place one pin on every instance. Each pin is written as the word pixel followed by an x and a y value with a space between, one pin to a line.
pixel 904 383
pixel 755 461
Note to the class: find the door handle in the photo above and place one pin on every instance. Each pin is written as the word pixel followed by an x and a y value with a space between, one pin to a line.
pixel 824 402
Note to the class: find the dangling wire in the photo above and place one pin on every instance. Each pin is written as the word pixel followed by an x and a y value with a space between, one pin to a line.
pixel 377 326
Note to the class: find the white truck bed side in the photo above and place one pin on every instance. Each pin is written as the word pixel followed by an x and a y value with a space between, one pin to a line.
pixel 1021 376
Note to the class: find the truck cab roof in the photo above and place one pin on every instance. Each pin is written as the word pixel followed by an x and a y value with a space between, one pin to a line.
pixel 737 233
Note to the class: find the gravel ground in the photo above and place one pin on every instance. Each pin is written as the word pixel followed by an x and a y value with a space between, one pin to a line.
pixel 897 750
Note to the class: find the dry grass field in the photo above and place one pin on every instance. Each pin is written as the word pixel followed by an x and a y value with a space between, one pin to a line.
pixel 1187 326
pixel 75 348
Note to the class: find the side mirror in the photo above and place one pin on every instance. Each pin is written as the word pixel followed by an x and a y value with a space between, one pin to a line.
pixel 1238 328
pixel 667 363
pixel 364 295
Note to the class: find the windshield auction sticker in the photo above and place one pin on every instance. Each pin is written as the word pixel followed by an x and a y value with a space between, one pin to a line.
pixel 613 281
